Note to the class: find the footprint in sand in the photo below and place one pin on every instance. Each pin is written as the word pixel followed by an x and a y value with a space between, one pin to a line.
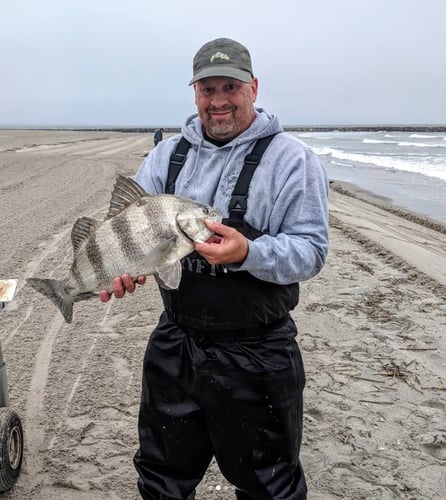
pixel 434 445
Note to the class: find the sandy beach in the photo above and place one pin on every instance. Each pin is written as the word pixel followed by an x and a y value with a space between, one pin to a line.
pixel 371 330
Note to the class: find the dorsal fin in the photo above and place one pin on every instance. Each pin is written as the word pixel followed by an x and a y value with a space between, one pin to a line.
pixel 125 192
pixel 82 230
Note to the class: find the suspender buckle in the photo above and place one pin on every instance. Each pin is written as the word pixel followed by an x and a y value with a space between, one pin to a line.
pixel 238 203
pixel 252 159
pixel 178 159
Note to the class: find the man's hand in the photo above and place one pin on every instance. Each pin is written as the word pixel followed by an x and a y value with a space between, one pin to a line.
pixel 120 286
pixel 227 246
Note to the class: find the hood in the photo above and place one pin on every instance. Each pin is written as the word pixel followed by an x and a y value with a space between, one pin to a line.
pixel 264 124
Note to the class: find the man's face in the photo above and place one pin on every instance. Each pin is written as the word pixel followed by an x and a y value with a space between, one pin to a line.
pixel 225 106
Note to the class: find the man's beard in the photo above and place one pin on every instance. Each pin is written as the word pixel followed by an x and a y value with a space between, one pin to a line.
pixel 221 129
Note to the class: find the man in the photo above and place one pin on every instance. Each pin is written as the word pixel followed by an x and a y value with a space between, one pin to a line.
pixel 157 136
pixel 223 375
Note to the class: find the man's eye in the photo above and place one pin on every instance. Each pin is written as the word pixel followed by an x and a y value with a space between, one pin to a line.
pixel 230 87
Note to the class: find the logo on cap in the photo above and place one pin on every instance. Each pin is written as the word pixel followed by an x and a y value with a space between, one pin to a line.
pixel 220 55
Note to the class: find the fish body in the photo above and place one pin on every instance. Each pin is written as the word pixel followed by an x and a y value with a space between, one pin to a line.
pixel 142 235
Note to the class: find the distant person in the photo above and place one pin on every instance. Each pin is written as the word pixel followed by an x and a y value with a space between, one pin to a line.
pixel 223 375
pixel 158 136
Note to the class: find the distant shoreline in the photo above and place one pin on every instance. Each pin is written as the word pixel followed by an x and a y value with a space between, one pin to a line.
pixel 288 128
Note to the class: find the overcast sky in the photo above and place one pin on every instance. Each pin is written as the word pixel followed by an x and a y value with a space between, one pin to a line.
pixel 128 62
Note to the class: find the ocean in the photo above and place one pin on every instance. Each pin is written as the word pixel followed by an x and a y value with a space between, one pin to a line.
pixel 407 168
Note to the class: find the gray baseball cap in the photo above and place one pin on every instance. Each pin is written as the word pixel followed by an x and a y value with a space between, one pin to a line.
pixel 222 57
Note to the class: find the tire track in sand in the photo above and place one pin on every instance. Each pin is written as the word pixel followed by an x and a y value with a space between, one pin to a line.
pixel 74 387
pixel 35 432
pixel 417 245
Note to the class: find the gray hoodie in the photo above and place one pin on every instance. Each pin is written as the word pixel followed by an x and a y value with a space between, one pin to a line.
pixel 287 196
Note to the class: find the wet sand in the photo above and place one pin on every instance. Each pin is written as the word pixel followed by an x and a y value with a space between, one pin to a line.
pixel 371 329
pixel 409 190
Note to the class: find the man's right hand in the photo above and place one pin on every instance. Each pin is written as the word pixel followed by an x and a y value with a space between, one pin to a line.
pixel 121 284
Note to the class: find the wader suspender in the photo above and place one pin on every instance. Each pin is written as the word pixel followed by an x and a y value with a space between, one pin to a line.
pixel 239 199
pixel 176 163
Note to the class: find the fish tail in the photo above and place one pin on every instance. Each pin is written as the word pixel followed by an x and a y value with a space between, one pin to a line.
pixel 55 291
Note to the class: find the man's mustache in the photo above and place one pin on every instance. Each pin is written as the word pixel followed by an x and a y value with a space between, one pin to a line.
pixel 225 109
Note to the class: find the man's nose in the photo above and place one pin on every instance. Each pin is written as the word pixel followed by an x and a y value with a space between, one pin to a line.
pixel 219 97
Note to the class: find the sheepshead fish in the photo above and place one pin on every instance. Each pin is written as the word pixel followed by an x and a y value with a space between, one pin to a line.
pixel 141 235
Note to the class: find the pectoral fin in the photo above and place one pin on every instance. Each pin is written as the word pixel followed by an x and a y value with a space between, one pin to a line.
pixel 169 276
pixel 158 254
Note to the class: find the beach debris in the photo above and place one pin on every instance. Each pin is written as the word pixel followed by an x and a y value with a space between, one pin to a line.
pixel 7 289
pixel 141 235
pixel 400 372
pixel 393 370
